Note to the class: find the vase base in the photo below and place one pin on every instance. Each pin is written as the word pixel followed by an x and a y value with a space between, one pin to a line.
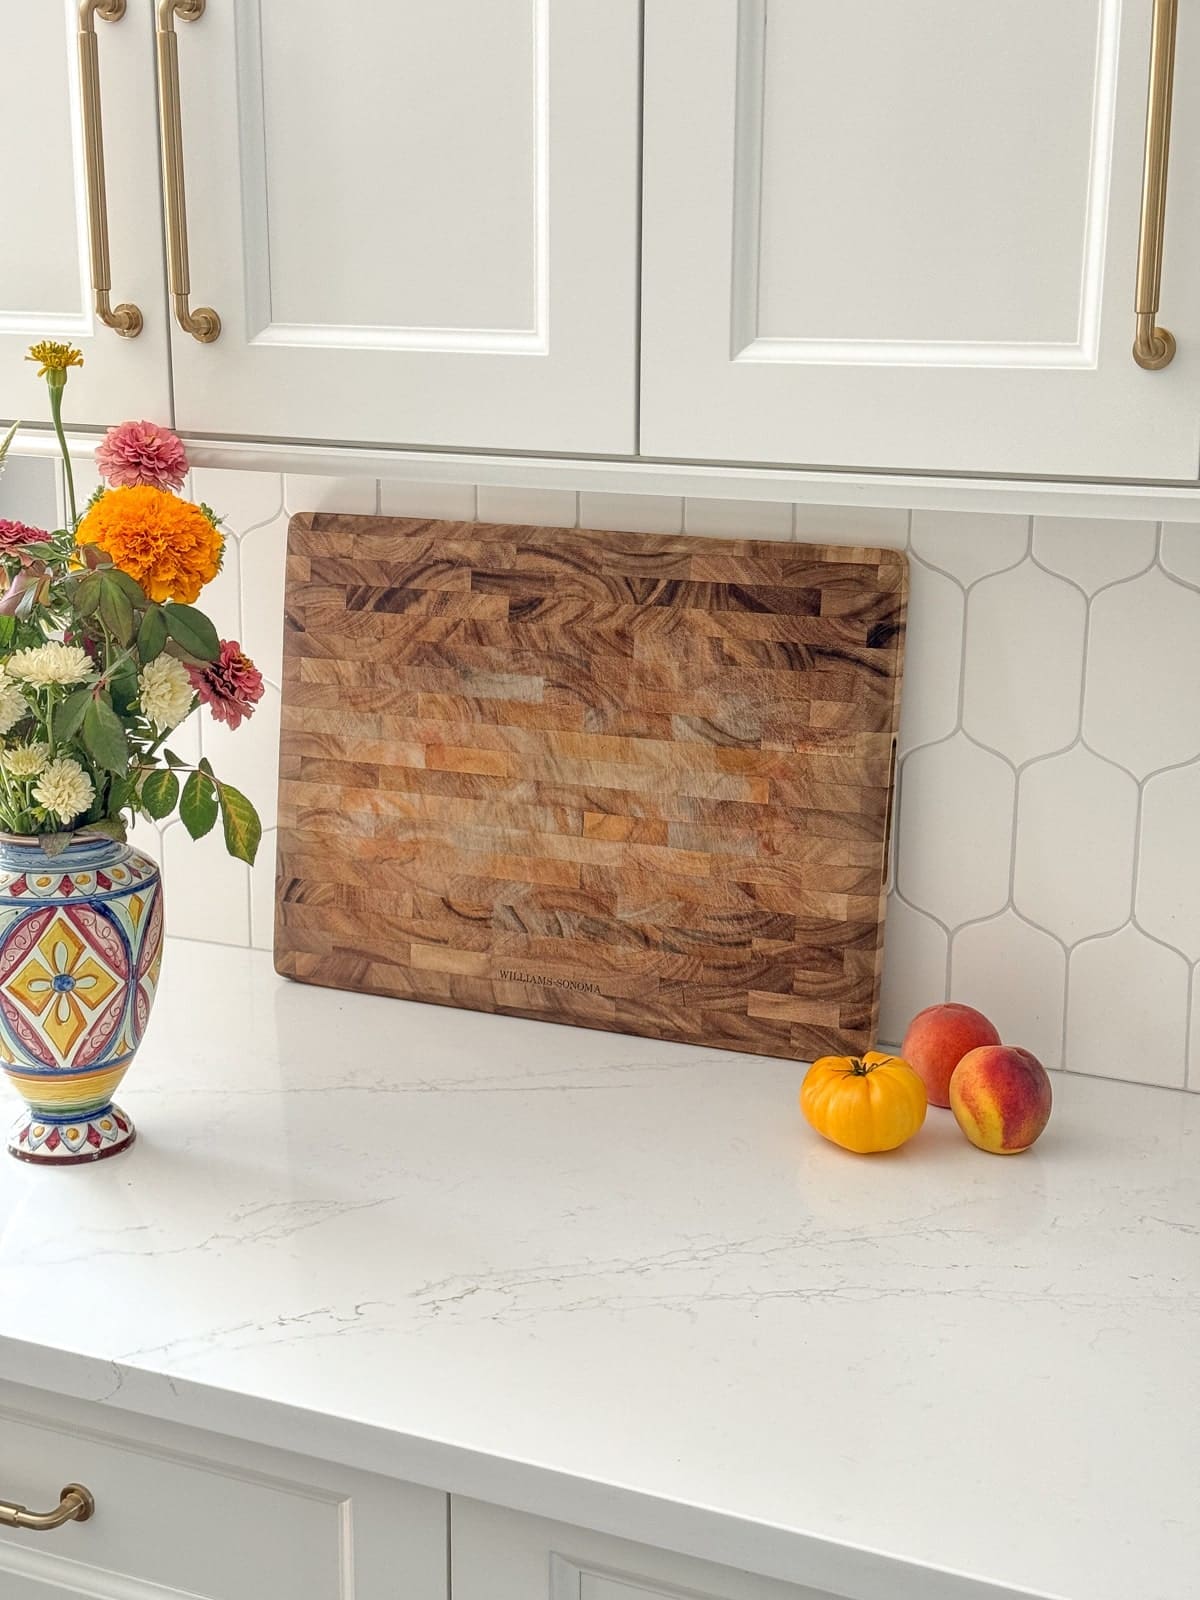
pixel 57 1142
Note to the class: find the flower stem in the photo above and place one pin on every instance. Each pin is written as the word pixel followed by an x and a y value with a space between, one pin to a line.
pixel 56 414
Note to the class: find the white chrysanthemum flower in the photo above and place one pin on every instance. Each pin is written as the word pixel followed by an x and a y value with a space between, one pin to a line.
pixel 12 706
pixel 25 760
pixel 165 691
pixel 64 788
pixel 51 663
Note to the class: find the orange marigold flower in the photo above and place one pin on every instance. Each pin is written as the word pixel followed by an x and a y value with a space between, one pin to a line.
pixel 168 545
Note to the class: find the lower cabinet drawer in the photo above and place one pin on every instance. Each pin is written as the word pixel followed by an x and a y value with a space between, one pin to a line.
pixel 503 1555
pixel 182 1513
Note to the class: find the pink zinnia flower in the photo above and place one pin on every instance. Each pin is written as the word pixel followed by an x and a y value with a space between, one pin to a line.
pixel 15 533
pixel 231 686
pixel 141 452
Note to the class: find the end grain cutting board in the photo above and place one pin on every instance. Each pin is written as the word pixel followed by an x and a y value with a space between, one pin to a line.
pixel 632 782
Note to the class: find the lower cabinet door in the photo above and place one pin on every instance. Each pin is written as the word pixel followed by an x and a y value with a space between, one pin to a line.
pixel 503 1555
pixel 181 1513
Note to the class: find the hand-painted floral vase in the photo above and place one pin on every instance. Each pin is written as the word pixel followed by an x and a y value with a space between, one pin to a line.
pixel 80 949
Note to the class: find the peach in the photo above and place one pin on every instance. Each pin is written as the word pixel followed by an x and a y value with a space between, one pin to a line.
pixel 1001 1098
pixel 937 1040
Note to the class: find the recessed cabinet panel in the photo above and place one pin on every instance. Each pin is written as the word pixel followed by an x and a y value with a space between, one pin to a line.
pixel 945 214
pixel 180 1512
pixel 416 221
pixel 357 169
pixel 503 1555
pixel 904 235
pixel 45 270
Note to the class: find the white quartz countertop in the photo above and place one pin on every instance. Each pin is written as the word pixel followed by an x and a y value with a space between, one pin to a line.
pixel 621 1283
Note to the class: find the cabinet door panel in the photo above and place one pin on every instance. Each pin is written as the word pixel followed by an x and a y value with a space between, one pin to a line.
pixel 504 1555
pixel 180 1512
pixel 902 234
pixel 417 221
pixel 45 280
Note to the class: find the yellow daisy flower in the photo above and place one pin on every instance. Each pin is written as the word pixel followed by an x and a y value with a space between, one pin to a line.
pixel 54 357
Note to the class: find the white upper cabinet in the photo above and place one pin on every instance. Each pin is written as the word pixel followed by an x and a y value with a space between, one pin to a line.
pixel 46 266
pixel 903 234
pixel 416 220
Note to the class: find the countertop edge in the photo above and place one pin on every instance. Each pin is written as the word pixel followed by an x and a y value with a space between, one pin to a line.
pixel 701 1532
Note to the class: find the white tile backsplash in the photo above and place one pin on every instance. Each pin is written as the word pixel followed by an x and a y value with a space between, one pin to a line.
pixel 954 851
pixel 1024 662
pixel 1052 878
pixel 1142 701
pixel 969 544
pixel 1075 842
pixel 744 519
pixel 1127 1009
pixel 1168 885
pixel 1093 552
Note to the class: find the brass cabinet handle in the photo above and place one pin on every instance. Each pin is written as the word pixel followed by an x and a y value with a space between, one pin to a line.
pixel 75 1505
pixel 126 319
pixel 1154 347
pixel 203 323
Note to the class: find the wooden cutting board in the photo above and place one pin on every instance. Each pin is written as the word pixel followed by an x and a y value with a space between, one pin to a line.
pixel 626 781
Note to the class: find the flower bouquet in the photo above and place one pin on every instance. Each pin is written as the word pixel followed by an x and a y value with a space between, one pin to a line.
pixel 103 653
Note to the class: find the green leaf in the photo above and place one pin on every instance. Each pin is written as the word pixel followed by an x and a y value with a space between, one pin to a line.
pixel 152 634
pixel 8 439
pixel 198 804
pixel 68 716
pixel 104 737
pixel 193 631
pixel 87 595
pixel 116 612
pixel 160 793
pixel 110 827
pixel 130 587
pixel 54 843
pixel 8 633
pixel 172 759
pixel 243 830
pixel 124 688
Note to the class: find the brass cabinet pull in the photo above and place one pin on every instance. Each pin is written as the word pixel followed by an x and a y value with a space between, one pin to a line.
pixel 75 1505
pixel 1154 347
pixel 203 323
pixel 126 319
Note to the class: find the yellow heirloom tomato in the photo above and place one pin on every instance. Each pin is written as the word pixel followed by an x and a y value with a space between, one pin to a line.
pixel 864 1103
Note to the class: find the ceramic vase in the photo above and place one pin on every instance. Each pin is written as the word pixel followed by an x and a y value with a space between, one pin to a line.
pixel 80 949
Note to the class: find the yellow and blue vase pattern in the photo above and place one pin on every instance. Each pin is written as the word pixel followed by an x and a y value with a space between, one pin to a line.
pixel 80 950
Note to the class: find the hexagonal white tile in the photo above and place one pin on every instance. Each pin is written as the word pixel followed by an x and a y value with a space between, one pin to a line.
pixel 1076 837
pixel 262 893
pixel 914 968
pixel 304 491
pixel 1093 551
pixel 881 525
pixel 932 657
pixel 248 756
pixel 955 832
pixel 263 556
pixel 1016 975
pixel 1181 550
pixel 243 500
pixel 1127 1009
pixel 738 519
pixel 1143 668
pixel 534 508
pixel 451 502
pixel 969 544
pixel 1024 662
pixel 1168 891
pixel 631 513
pixel 207 891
